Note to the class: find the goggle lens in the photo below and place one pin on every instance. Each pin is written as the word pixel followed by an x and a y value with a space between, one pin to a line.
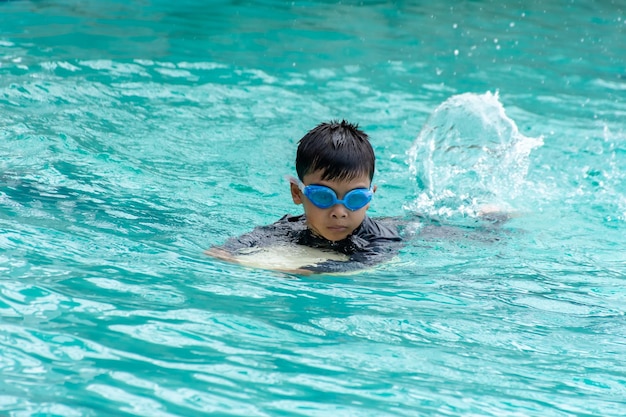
pixel 324 197
pixel 357 198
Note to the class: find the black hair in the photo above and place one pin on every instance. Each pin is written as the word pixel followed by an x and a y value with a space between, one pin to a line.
pixel 340 149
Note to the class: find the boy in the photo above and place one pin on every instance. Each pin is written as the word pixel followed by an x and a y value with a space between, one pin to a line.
pixel 335 166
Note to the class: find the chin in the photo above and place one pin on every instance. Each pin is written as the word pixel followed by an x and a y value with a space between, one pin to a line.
pixel 334 237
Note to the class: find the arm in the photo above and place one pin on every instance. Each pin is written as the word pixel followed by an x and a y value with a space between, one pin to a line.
pixel 227 251
pixel 219 253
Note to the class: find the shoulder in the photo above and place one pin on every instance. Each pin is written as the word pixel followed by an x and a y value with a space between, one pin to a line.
pixel 295 223
pixel 378 229
pixel 283 229
pixel 288 218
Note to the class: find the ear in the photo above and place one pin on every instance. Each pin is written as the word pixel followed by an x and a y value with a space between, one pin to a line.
pixel 374 188
pixel 295 193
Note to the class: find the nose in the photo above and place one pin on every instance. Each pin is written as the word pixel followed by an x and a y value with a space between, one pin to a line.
pixel 339 211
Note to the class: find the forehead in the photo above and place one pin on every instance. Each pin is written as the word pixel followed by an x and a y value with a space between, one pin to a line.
pixel 358 181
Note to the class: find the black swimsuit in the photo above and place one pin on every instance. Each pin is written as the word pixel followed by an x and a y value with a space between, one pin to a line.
pixel 370 243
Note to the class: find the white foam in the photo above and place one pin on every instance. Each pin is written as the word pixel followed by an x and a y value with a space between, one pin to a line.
pixel 468 154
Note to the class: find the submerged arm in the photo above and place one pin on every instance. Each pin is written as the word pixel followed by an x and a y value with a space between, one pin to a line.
pixel 377 252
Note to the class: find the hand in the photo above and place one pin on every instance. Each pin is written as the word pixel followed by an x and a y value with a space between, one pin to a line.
pixel 496 214
pixel 220 254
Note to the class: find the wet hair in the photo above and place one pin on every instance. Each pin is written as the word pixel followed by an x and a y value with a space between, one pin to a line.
pixel 340 149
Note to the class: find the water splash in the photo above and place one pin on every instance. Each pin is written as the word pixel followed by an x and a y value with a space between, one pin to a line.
pixel 469 156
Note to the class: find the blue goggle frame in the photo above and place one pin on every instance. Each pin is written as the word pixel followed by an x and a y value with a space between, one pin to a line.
pixel 324 197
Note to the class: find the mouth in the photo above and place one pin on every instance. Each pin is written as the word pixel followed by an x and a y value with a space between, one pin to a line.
pixel 338 228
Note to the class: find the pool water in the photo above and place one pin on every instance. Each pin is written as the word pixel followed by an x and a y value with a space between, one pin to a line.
pixel 135 135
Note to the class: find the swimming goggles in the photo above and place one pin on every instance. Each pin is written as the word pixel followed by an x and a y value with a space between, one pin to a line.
pixel 324 197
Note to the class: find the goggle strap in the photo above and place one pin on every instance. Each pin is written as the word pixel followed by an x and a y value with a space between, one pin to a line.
pixel 295 181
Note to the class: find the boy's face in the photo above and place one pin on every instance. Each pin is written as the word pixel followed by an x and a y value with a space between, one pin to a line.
pixel 336 222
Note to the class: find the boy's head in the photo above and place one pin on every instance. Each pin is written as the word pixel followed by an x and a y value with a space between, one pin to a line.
pixel 340 150
pixel 335 164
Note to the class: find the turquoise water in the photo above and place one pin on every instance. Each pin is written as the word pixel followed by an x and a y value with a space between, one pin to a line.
pixel 134 135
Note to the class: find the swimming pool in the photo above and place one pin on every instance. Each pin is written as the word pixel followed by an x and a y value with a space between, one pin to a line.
pixel 134 136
